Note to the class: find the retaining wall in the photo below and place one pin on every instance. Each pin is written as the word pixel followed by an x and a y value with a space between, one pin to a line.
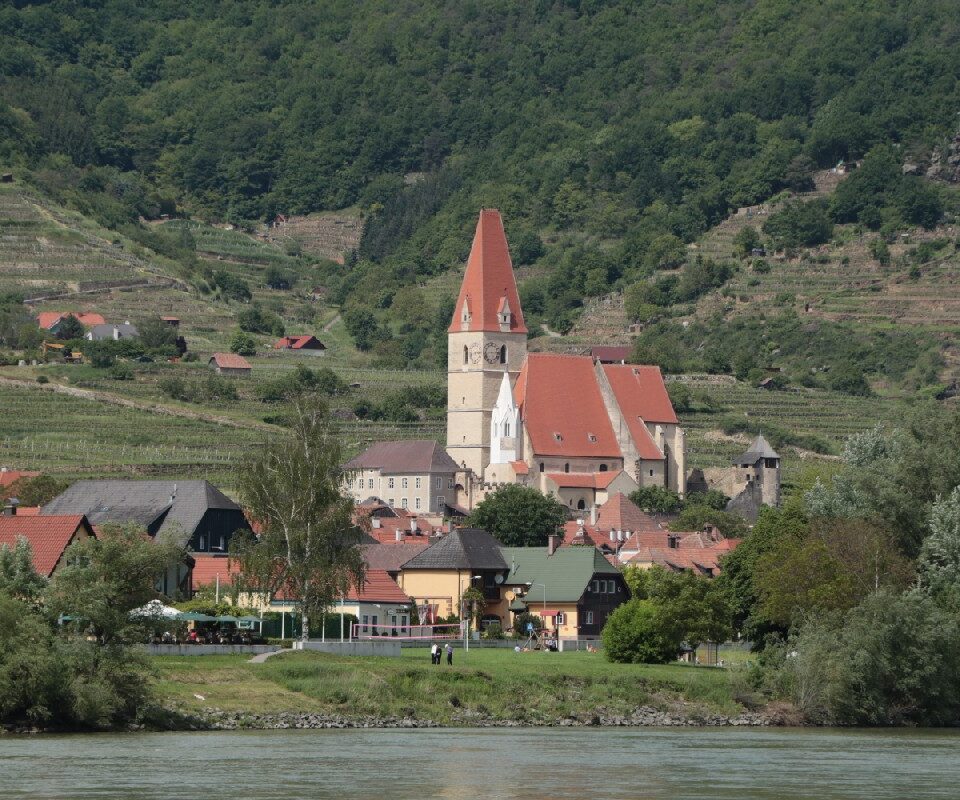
pixel 363 648
pixel 209 649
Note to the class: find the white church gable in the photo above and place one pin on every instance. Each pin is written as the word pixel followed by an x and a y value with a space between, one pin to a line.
pixel 504 426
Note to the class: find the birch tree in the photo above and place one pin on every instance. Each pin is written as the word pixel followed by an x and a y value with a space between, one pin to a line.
pixel 308 545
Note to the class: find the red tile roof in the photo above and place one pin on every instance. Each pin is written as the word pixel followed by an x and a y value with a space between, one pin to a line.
pixel 488 280
pixel 608 354
pixel 520 468
pixel 9 477
pixel 48 536
pixel 47 319
pixel 562 408
pixel 208 567
pixel 298 343
pixel 640 392
pixel 378 587
pixel 619 513
pixel 390 526
pixel 583 480
pixel 230 361
pixel 391 557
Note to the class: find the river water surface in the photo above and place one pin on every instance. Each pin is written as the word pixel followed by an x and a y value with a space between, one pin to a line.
pixel 472 764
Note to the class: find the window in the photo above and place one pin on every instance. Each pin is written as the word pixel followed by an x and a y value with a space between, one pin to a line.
pixel 541 466
pixel 651 473
pixel 466 352
pixel 592 437
pixel 416 503
pixel 369 483
pixel 595 587
pixel 359 483
pixel 589 618
pixel 366 619
pixel 503 354
pixel 449 483
pixel 611 587
pixel 403 622
pixel 373 623
pixel 223 543
pixel 603 467
pixel 441 502
pixel 581 504
pixel 417 483
pixel 439 483
pixel 404 483
pixel 403 502
pixel 506 428
pixel 560 618
pixel 566 467
pixel 389 483
pixel 390 502
pixel 203 543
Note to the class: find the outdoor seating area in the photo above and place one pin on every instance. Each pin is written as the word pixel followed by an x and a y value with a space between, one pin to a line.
pixel 172 626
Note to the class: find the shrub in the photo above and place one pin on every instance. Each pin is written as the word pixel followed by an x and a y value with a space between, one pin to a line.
pixel 121 372
pixel 635 634
pixel 800 224
pixel 243 344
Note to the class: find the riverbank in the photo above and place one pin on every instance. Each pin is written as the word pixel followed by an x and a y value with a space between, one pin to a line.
pixel 485 688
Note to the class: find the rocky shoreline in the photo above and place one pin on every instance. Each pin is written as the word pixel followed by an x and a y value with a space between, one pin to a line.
pixel 214 719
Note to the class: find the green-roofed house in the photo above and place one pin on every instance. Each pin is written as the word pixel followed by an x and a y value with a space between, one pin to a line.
pixel 573 589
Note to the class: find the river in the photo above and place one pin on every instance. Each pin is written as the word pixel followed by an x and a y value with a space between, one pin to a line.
pixel 534 764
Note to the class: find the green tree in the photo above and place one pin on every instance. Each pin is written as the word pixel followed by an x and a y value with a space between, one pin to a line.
pixel 746 240
pixel 519 516
pixel 308 544
pixel 37 491
pixel 363 328
pixel 103 579
pixel 18 577
pixel 70 328
pixel 656 499
pixel 939 559
pixel 636 634
pixel 800 224
pixel 243 344
pixel 157 336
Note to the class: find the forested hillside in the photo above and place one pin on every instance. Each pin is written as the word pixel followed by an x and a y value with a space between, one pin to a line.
pixel 610 134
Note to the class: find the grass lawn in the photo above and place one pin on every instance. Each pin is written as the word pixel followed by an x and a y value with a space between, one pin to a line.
pixel 499 683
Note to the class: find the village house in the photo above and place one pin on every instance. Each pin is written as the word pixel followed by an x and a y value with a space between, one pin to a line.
pixel 229 364
pixel 415 474
pixel 438 575
pixel 10 477
pixel 611 354
pixel 572 589
pixel 304 343
pixel 107 332
pixel 751 482
pixel 52 320
pixel 699 552
pixel 568 425
pixel 196 514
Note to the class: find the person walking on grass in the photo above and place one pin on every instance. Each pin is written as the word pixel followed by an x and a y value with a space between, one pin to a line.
pixel 449 654
pixel 433 653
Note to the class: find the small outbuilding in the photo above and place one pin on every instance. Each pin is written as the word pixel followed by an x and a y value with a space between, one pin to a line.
pixel 229 364
pixel 306 342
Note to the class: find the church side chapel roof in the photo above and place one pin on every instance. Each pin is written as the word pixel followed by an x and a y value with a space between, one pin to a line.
pixel 488 285
pixel 640 392
pixel 562 408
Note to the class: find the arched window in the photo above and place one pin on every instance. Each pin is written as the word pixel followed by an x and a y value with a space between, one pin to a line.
pixel 506 428
pixel 541 466
pixel 566 467
pixel 503 354
pixel 603 467
pixel 466 354
pixel 581 504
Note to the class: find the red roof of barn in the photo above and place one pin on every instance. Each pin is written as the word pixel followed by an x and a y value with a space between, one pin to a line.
pixel 47 319
pixel 10 476
pixel 297 342
pixel 230 361
pixel 48 536
pixel 640 392
pixel 562 408
pixel 208 567
pixel 488 280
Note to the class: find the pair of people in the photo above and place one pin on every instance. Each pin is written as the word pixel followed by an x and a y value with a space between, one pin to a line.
pixel 436 653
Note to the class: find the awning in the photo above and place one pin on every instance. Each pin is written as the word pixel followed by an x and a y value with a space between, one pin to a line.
pixel 195 616
pixel 545 612
pixel 518 605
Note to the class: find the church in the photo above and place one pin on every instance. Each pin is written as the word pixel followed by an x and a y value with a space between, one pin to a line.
pixel 568 425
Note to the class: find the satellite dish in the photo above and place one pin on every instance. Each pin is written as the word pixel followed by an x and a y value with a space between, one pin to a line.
pixel 498 578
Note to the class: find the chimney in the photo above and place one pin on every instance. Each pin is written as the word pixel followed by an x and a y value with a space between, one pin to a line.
pixel 399 535
pixel 116 332
pixel 593 514
pixel 553 542
pixel 413 524
pixel 613 535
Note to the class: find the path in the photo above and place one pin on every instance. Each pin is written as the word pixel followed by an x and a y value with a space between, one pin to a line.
pixel 261 657
pixel 331 323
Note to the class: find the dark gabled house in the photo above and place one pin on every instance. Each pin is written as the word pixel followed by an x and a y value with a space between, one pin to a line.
pixel 199 516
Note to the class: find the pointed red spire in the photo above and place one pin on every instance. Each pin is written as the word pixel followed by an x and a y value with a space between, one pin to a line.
pixel 489 288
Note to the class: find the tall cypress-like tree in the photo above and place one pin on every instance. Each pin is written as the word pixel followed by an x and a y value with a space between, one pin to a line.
pixel 308 544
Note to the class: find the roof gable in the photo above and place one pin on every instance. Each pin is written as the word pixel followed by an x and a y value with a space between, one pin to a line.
pixel 489 286
pixel 641 393
pixel 759 448
pixel 230 361
pixel 562 408
pixel 463 548
pixel 49 537
pixel 620 513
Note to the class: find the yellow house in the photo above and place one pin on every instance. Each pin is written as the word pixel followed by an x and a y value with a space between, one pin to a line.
pixel 437 577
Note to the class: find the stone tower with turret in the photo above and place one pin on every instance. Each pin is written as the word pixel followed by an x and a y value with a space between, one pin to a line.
pixel 486 339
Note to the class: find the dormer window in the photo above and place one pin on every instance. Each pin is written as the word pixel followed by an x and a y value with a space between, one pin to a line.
pixel 557 437
pixel 592 437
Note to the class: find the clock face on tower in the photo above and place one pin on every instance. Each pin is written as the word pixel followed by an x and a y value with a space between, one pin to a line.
pixel 491 353
pixel 475 354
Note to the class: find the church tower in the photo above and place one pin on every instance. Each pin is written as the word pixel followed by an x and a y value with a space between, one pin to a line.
pixel 486 339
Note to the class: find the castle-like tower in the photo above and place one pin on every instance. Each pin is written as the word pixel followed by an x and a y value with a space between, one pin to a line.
pixel 486 338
